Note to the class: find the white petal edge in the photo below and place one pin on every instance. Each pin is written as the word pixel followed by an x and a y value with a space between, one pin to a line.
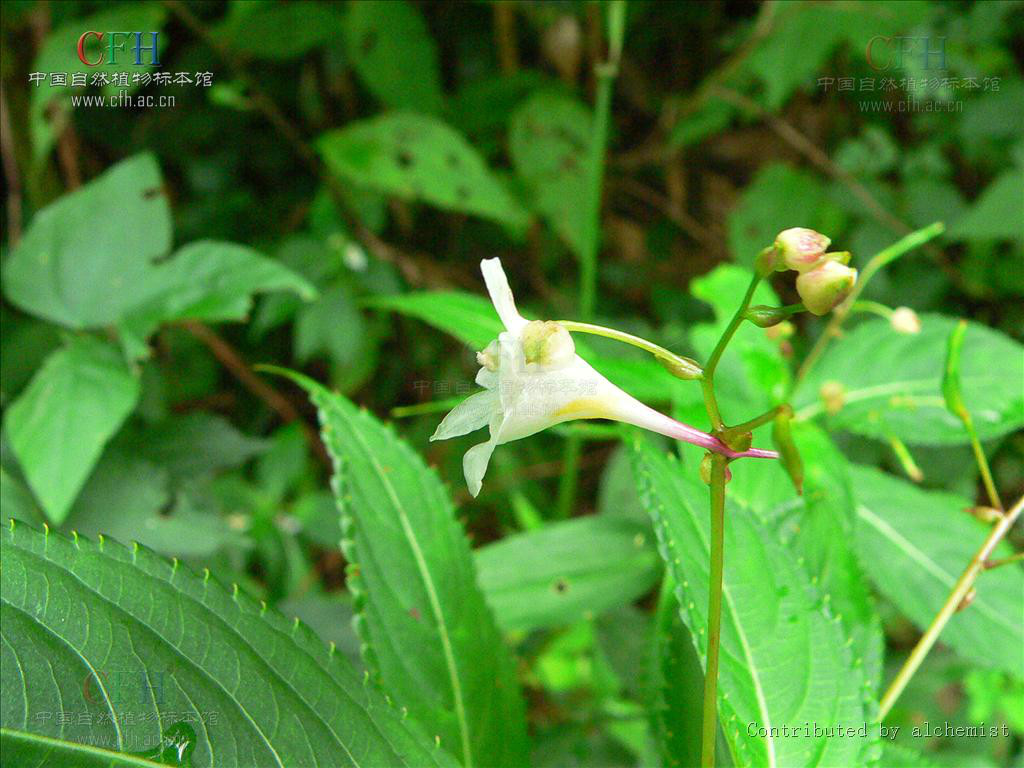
pixel 501 295
pixel 468 416
pixel 474 465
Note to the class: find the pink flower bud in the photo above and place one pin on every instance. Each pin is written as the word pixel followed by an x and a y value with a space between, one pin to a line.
pixel 801 248
pixel 825 286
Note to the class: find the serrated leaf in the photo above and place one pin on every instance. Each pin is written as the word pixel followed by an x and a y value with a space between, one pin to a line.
pixel 394 55
pixel 784 660
pixel 472 320
pixel 430 636
pixel 109 647
pixel 83 256
pixel 549 140
pixel 915 544
pixel 566 571
pixel 891 382
pixel 60 423
pixel 416 157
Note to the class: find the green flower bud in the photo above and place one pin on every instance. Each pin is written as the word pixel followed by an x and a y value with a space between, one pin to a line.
pixel 682 367
pixel 764 316
pixel 788 453
pixel 547 343
pixel 825 286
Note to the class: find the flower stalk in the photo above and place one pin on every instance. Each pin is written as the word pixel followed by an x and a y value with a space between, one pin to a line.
pixel 709 724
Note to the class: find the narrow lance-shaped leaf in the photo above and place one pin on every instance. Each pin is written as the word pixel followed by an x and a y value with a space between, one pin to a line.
pixel 951 372
pixel 428 633
pixel 785 662
pixel 106 649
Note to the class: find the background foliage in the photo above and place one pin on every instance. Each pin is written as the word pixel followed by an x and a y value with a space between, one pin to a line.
pixel 323 206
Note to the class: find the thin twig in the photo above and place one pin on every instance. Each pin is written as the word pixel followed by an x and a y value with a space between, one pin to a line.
pixel 505 36
pixel 11 176
pixel 960 590
pixel 236 365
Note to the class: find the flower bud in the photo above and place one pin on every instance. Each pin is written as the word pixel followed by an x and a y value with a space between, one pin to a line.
pixel 788 453
pixel 682 367
pixel 768 260
pixel 764 316
pixel 905 320
pixel 547 343
pixel 801 248
pixel 825 286
pixel 705 470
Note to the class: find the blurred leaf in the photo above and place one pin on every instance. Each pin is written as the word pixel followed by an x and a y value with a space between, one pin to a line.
pixel 415 590
pixel 416 157
pixel 193 444
pixel 208 280
pixel 279 30
pixel 915 544
pixel 566 571
pixel 84 255
pixel 60 423
pixel 101 630
pixel 394 54
pixel 871 153
pixel 779 197
pixel 16 500
pixel 929 199
pixel 778 640
pixel 711 118
pixel 891 382
pixel 996 213
pixel 332 325
pixel 472 319
pixel 549 139
pixel 25 344
pixel 330 615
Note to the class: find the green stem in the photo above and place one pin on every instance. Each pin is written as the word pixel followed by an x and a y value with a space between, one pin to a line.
pixel 751 424
pixel 953 601
pixel 881 259
pixel 1016 557
pixel 979 457
pixel 906 459
pixel 710 402
pixel 709 724
pixel 872 307
pixel 592 233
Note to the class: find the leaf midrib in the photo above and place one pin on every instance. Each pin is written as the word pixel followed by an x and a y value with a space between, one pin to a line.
pixel 428 582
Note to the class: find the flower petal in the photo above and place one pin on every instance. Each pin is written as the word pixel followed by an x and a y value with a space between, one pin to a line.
pixel 469 415
pixel 474 465
pixel 501 295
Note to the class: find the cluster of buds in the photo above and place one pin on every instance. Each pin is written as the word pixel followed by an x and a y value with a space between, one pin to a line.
pixel 824 279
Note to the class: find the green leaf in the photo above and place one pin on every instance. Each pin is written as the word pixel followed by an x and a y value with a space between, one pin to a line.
pixel 416 157
pixel 549 139
pixel 472 320
pixel 951 392
pixel 995 215
pixel 784 659
pixel 891 382
pixel 109 647
pixel 279 30
pixel 23 748
pixel 208 280
pixel 566 571
pixel 915 544
pixel 394 54
pixel 428 632
pixel 60 423
pixel 84 256
pixel 779 197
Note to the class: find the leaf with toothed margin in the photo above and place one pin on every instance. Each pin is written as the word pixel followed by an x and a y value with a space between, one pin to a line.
pixel 104 648
pixel 785 662
pixel 429 635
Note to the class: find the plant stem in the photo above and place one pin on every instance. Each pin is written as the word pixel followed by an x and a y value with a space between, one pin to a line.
pixel 979 457
pixel 1016 557
pixel 956 596
pixel 751 424
pixel 708 382
pixel 881 259
pixel 709 725
pixel 592 233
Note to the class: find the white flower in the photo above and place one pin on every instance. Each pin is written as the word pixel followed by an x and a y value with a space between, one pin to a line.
pixel 533 379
